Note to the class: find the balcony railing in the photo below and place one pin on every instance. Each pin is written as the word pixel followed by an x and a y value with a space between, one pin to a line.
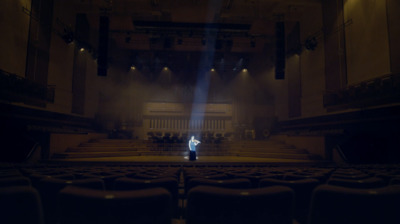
pixel 374 92
pixel 14 88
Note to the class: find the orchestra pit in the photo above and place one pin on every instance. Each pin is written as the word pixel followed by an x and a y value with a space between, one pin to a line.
pixel 193 112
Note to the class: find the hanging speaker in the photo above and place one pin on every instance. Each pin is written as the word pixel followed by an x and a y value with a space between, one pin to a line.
pixel 280 56
pixel 102 63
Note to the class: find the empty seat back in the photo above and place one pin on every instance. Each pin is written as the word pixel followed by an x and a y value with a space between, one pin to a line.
pixel 209 204
pixel 15 181
pixel 83 205
pixel 302 188
pixel 50 187
pixel 20 204
pixel 169 183
pixel 238 183
pixel 335 204
pixel 372 182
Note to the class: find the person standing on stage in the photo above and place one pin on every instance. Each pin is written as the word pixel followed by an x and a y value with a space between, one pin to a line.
pixel 192 146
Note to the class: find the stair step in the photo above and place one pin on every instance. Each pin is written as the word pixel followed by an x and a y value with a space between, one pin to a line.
pixel 103 149
pixel 276 155
pixel 273 150
pixel 137 153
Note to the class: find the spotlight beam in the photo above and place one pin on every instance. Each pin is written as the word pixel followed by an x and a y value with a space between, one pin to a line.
pixel 203 76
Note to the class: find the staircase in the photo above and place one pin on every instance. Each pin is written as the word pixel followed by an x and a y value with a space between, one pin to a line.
pixel 129 147
pixel 269 149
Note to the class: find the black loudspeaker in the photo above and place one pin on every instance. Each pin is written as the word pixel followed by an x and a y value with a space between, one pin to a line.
pixel 280 55
pixel 102 63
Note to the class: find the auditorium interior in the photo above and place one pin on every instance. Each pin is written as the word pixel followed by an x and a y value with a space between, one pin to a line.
pixel 295 103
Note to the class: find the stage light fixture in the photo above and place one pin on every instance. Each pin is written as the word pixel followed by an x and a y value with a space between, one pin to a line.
pixel 68 37
pixel 311 43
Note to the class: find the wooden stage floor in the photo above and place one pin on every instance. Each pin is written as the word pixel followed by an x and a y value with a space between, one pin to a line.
pixel 200 160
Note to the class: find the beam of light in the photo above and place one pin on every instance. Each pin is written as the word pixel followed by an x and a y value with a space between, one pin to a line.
pixel 238 65
pixel 203 78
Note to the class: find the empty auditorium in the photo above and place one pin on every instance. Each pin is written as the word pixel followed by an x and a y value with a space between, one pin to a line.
pixel 199 111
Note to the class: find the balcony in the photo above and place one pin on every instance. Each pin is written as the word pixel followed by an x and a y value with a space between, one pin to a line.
pixel 18 89
pixel 375 92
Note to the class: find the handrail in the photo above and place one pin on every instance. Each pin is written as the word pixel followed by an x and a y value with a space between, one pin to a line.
pixel 341 153
pixel 17 88
pixel 32 151
pixel 372 92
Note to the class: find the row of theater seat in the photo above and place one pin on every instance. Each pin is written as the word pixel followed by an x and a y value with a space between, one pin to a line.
pixel 303 181
pixel 103 194
pixel 330 204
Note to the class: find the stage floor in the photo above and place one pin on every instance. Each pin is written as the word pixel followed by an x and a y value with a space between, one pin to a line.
pixel 200 159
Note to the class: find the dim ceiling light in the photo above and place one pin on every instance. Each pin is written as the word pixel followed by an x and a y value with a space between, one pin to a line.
pixel 133 67
pixel 244 70
pixel 213 69
pixel 165 68
pixel 82 49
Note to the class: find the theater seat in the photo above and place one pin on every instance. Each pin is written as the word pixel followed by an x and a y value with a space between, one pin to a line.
pixel 237 183
pixel 395 181
pixel 20 204
pixel 372 182
pixel 107 177
pixel 36 178
pixel 209 204
pixel 335 204
pixel 7 173
pixel 169 183
pixel 50 187
pixel 302 188
pixel 15 181
pixel 82 206
pixel 205 175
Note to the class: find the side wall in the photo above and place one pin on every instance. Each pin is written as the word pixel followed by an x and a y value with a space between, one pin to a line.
pixel 15 17
pixel 361 38
pixel 14 23
pixel 367 41
pixel 61 62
